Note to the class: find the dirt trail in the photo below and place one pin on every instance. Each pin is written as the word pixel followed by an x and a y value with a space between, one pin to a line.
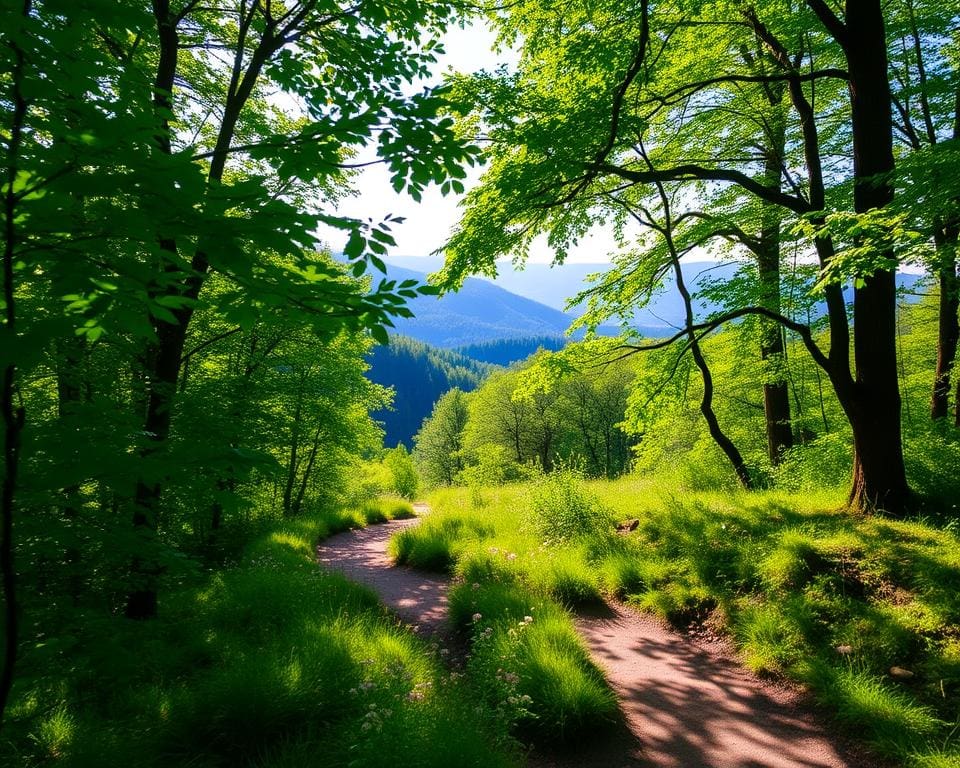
pixel 685 705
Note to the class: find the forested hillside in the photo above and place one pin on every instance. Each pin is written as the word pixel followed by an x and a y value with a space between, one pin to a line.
pixel 418 375
pixel 504 352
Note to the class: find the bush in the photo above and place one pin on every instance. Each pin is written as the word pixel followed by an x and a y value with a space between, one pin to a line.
pixel 561 509
pixel 406 482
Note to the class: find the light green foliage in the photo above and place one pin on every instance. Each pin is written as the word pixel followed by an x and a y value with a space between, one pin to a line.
pixel 405 479
pixel 553 409
pixel 563 511
pixel 649 103
pixel 438 446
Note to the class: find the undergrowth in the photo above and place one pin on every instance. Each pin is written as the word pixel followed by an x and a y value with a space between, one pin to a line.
pixel 526 658
pixel 865 611
pixel 270 663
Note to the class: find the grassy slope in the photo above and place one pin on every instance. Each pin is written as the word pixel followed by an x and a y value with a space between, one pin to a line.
pixel 525 657
pixel 270 663
pixel 790 577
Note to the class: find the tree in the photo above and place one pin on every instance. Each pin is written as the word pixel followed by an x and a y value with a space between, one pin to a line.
pixel 640 74
pixel 926 98
pixel 402 470
pixel 438 446
pixel 324 54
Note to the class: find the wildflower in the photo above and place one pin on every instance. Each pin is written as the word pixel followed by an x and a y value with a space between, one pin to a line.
pixel 527 619
pixel 511 556
pixel 415 696
pixel 475 585
pixel 477 617
pixel 367 685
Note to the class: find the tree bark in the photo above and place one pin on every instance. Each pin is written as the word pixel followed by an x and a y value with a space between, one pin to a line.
pixel 948 330
pixel 879 473
pixel 776 394
pixel 13 415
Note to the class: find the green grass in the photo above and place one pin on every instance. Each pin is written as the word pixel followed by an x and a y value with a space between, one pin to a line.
pixel 792 578
pixel 526 658
pixel 527 661
pixel 270 663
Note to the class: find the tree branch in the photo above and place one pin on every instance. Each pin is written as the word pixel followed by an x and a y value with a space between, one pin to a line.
pixel 700 173
pixel 830 20
pixel 803 331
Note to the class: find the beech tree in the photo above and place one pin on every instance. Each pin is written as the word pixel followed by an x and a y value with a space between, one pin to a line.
pixel 596 80
pixel 148 148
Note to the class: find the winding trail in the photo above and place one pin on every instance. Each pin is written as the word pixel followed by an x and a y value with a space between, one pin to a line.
pixel 686 704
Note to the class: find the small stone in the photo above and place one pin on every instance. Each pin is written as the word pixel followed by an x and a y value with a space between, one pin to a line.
pixel 844 650
pixel 900 673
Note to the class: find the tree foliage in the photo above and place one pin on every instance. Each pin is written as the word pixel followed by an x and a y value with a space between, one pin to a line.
pixel 739 113
pixel 175 350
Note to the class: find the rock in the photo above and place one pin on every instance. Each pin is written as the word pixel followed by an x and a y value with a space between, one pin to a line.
pixel 629 525
pixel 900 673
pixel 844 650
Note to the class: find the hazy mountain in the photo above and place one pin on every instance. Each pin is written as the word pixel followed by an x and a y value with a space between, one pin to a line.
pixel 551 286
pixel 480 311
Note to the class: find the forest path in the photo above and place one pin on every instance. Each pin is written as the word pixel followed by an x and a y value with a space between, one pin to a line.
pixel 686 704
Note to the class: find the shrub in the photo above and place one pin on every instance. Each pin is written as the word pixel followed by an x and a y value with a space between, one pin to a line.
pixel 561 509
pixel 406 482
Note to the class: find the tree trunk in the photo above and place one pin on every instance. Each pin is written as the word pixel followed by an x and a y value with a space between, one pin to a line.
pixel 776 394
pixel 879 474
pixel 308 470
pixel 945 238
pixel 948 326
pixel 294 448
pixel 13 415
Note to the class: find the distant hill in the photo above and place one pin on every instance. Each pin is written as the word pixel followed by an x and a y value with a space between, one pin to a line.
pixel 552 286
pixel 419 374
pixel 479 312
pixel 505 352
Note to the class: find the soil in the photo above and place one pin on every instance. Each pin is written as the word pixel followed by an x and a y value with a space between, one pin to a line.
pixel 686 703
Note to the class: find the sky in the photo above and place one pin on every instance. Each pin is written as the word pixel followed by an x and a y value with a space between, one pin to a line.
pixel 429 223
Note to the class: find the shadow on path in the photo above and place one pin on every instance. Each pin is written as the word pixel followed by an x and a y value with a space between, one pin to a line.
pixel 416 597
pixel 684 705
